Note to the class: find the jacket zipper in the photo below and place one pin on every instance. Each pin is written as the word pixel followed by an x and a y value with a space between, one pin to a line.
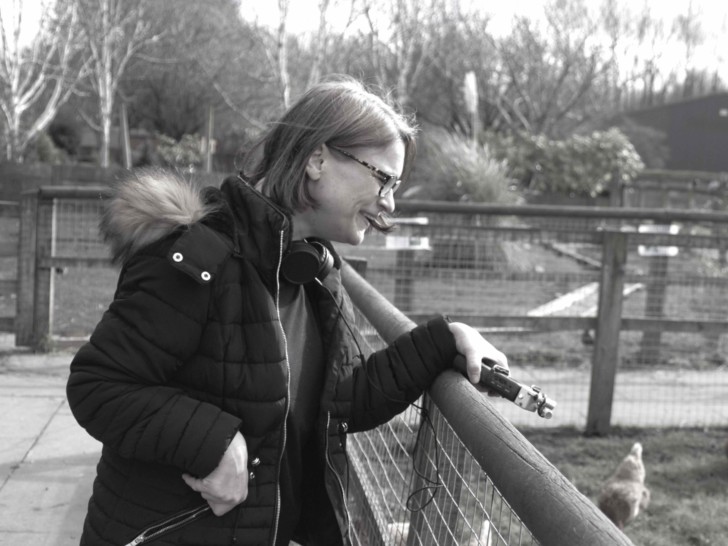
pixel 288 391
pixel 170 524
pixel 336 474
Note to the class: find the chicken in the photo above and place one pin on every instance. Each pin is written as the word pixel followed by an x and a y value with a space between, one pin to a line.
pixel 624 493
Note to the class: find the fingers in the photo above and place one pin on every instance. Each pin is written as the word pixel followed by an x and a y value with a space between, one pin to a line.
pixel 221 499
pixel 475 348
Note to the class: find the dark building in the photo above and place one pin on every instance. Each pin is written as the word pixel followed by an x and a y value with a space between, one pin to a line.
pixel 696 131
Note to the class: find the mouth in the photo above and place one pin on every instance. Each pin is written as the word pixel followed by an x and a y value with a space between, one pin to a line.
pixel 370 221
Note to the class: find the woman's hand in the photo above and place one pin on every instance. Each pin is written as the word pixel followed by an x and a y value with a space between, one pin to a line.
pixel 226 486
pixel 474 348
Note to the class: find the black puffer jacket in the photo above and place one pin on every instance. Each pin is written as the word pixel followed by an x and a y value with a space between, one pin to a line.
pixel 192 350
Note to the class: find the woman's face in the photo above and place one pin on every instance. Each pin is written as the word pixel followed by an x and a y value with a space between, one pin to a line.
pixel 347 192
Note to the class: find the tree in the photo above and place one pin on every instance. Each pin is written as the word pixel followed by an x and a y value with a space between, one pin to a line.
pixel 551 73
pixel 401 40
pixel 690 33
pixel 169 88
pixel 209 60
pixel 114 32
pixel 37 77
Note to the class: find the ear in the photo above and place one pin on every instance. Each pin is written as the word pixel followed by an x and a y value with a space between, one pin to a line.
pixel 314 165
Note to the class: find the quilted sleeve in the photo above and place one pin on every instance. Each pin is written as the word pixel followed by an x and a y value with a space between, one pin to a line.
pixel 119 388
pixel 397 375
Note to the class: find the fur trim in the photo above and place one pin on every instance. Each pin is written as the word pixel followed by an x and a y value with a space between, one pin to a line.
pixel 148 205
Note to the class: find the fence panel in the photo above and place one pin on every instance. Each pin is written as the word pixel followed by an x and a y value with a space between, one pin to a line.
pixel 454 501
pixel 9 240
pixel 691 190
pixel 529 277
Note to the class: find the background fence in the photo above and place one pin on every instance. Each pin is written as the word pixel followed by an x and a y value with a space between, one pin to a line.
pixel 460 473
pixel 440 493
pixel 641 292
pixel 531 278
pixel 10 228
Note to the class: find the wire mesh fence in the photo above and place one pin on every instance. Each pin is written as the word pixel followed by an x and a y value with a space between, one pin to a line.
pixel 10 229
pixel 435 495
pixel 532 282
pixel 414 482
pixel 528 277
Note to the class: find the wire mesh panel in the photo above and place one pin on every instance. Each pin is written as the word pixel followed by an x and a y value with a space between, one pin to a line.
pixel 85 272
pixel 675 373
pixel 529 279
pixel 414 482
pixel 441 497
pixel 10 230
pixel 77 229
pixel 531 283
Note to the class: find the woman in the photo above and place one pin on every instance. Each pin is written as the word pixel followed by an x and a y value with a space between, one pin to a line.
pixel 225 374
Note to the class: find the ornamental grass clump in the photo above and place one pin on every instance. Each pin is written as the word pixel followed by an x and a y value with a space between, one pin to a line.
pixel 450 167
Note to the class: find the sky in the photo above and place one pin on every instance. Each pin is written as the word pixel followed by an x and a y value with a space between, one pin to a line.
pixel 304 17
pixel 304 13
pixel 713 15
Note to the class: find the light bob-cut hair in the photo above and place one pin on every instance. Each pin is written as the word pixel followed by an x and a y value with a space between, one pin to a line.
pixel 339 112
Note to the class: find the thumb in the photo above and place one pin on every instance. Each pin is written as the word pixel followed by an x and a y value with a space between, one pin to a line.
pixel 473 368
pixel 192 482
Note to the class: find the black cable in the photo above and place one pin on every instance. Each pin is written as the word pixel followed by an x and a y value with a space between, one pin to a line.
pixel 431 485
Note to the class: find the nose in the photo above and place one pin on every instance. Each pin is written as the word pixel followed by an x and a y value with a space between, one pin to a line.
pixel 387 202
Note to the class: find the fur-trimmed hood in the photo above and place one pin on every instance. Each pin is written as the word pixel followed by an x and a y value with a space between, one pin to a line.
pixel 146 206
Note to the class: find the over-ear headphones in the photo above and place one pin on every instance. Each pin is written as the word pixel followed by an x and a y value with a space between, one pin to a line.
pixel 306 261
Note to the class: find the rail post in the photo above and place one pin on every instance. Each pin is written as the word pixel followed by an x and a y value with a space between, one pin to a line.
pixel 24 306
pixel 44 274
pixel 606 343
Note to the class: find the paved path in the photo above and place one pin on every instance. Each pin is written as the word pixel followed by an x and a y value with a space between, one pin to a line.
pixel 47 462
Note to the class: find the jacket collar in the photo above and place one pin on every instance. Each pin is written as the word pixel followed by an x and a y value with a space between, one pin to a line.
pixel 263 230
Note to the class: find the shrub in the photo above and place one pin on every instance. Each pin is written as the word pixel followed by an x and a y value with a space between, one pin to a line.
pixel 185 154
pixel 450 168
pixel 66 136
pixel 44 150
pixel 581 165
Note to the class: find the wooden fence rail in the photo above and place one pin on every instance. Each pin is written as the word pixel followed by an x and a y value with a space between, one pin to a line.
pixel 550 506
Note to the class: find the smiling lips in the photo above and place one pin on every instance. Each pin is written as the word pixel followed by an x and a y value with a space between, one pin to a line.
pixel 369 219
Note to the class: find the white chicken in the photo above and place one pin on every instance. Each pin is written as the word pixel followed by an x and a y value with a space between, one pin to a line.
pixel 624 493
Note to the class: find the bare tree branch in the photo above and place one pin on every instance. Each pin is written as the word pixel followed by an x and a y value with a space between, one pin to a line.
pixel 38 77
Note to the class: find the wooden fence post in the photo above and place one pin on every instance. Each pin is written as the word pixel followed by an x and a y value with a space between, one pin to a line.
pixel 616 189
pixel 654 308
pixel 24 318
pixel 403 281
pixel 44 277
pixel 606 344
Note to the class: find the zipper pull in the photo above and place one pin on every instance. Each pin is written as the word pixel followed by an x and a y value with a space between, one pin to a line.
pixel 138 540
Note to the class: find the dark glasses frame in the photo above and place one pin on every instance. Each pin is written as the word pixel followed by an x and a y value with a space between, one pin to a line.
pixel 389 182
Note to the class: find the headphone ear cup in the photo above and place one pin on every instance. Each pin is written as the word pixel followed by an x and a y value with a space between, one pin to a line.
pixel 305 262
pixel 327 262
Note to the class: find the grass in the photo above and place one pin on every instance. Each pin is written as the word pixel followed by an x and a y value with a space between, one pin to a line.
pixel 687 474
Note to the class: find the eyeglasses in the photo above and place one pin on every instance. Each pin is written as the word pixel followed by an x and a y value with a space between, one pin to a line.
pixel 389 182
